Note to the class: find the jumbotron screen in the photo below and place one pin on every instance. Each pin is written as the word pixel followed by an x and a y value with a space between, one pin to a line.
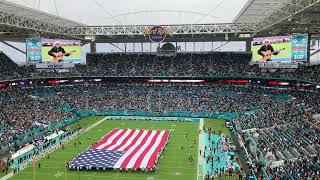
pixel 280 48
pixel 53 50
pixel 315 49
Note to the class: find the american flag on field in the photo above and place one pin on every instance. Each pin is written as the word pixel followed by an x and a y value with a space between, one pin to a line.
pixel 124 149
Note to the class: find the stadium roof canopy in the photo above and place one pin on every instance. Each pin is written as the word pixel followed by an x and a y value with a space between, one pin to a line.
pixel 22 11
pixel 139 12
pixel 126 20
pixel 282 16
pixel 255 11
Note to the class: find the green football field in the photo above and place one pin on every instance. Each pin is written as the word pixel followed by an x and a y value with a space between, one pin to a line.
pixel 285 54
pixel 218 125
pixel 172 165
pixel 75 56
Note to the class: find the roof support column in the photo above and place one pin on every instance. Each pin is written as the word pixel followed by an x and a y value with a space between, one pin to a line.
pixel 248 45
pixel 93 47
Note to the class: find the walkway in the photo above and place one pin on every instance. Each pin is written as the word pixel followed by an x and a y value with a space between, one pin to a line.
pixel 218 153
pixel 200 175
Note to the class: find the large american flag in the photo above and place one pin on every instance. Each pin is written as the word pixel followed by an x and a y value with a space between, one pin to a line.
pixel 124 149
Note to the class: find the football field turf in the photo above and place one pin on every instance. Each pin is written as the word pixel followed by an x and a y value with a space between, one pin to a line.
pixel 172 165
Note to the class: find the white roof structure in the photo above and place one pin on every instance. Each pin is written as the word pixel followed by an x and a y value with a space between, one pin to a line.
pixel 22 11
pixel 255 11
pixel 282 15
pixel 128 18
pixel 139 12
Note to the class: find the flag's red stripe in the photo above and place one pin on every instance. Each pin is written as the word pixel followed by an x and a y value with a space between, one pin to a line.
pixel 140 158
pixel 153 157
pixel 127 160
pixel 105 138
pixel 114 141
pixel 125 140
pixel 134 141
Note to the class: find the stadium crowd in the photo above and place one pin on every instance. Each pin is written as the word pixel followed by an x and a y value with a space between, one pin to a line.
pixel 181 65
pixel 276 119
pixel 263 108
pixel 301 168
pixel 151 65
pixel 186 64
pixel 8 68
pixel 21 113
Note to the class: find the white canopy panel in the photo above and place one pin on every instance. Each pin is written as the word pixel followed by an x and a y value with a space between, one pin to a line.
pixel 255 11
pixel 139 12
pixel 23 11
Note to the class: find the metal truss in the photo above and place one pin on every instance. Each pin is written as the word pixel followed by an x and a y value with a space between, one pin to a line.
pixel 18 18
pixel 15 18
pixel 131 30
pixel 13 21
pixel 299 28
pixel 289 10
pixel 33 21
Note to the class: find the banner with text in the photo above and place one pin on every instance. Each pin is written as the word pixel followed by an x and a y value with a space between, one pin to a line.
pixel 54 65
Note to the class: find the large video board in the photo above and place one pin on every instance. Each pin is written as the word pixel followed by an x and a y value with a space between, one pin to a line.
pixel 53 50
pixel 280 48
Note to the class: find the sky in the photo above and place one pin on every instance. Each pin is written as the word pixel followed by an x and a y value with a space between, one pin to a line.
pixel 143 12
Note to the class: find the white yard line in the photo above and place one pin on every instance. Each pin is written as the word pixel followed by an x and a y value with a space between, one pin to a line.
pixel 53 148
pixel 200 147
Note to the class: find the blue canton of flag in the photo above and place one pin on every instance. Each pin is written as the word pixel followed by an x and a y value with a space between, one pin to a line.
pixel 96 158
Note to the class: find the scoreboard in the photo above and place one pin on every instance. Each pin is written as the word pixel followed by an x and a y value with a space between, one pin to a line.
pixel 34 50
pixel 299 47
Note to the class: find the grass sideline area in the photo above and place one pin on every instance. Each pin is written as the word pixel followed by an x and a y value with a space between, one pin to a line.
pixel 173 164
pixel 84 123
pixel 217 125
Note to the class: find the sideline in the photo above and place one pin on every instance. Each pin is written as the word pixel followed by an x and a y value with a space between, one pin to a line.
pixel 200 147
pixel 53 148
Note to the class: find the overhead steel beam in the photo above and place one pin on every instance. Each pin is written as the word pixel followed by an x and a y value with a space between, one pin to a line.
pixel 12 21
pixel 289 10
pixel 31 24
pixel 36 22
pixel 184 29
pixel 301 28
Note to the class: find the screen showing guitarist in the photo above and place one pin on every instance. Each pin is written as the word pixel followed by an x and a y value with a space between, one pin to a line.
pixel 267 50
pixel 57 52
